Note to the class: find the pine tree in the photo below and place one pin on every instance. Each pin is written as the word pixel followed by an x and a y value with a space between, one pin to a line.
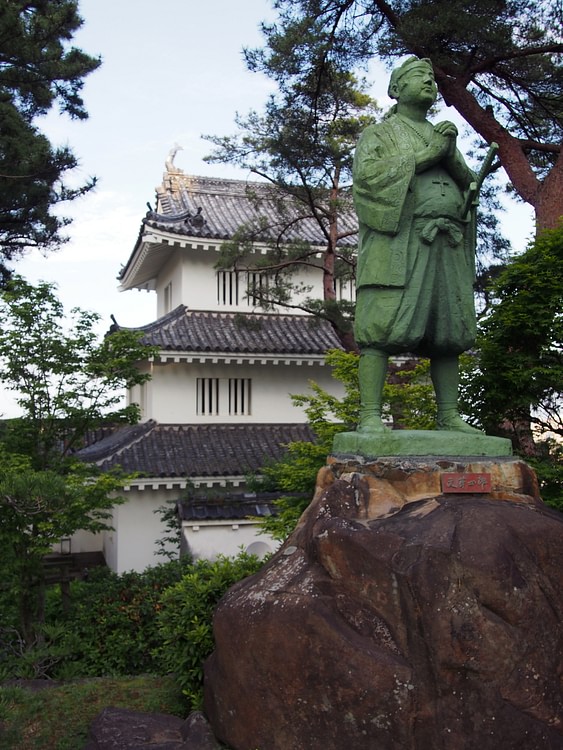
pixel 38 70
pixel 497 63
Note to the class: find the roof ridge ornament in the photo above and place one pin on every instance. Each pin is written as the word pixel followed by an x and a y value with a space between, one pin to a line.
pixel 169 163
pixel 196 220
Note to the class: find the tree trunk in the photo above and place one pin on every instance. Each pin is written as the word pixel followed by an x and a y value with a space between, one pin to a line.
pixel 341 326
pixel 329 282
pixel 549 206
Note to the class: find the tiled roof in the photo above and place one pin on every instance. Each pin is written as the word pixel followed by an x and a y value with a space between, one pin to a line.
pixel 204 450
pixel 186 330
pixel 206 211
pixel 232 506
pixel 217 208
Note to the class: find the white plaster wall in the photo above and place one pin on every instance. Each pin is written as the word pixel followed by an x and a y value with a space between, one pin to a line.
pixel 171 273
pixel 275 384
pixel 132 544
pixel 172 391
pixel 142 394
pixel 110 545
pixel 85 541
pixel 199 284
pixel 208 539
pixel 194 282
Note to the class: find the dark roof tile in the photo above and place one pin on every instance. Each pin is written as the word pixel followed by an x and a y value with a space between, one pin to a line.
pixel 156 450
pixel 217 208
pixel 232 506
pixel 185 330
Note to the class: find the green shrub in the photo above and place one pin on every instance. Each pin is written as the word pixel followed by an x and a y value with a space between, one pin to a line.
pixel 155 622
pixel 112 624
pixel 109 629
pixel 186 614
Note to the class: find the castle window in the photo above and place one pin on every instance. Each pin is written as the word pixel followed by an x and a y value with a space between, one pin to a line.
pixel 168 297
pixel 207 396
pixel 257 285
pixel 227 287
pixel 223 396
pixel 345 289
pixel 239 397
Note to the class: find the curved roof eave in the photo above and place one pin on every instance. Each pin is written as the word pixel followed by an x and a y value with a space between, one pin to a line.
pixel 198 211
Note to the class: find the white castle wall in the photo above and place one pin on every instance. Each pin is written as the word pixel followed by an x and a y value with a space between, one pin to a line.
pixel 170 397
pixel 192 277
pixel 131 545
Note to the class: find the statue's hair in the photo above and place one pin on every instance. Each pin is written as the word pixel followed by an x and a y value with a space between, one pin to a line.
pixel 400 71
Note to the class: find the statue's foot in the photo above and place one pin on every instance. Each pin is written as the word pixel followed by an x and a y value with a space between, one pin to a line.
pixel 454 423
pixel 373 423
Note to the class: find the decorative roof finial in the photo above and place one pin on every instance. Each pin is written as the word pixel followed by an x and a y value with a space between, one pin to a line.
pixel 170 158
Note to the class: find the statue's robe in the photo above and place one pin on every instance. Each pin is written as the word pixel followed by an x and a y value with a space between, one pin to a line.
pixel 416 257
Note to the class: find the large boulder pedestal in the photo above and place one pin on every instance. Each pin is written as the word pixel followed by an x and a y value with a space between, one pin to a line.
pixel 403 612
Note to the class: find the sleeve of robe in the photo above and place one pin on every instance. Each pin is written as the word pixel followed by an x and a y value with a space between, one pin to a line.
pixel 383 170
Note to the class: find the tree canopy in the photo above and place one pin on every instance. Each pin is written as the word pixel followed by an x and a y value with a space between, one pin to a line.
pixel 66 381
pixel 518 374
pixel 497 63
pixel 38 70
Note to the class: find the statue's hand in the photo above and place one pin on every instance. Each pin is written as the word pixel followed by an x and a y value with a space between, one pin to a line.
pixel 444 139
pixel 441 147
pixel 447 135
pixel 446 128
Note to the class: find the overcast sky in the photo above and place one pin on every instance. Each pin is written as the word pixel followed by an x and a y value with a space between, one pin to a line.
pixel 172 71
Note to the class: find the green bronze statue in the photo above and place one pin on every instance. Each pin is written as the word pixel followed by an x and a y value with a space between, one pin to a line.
pixel 416 258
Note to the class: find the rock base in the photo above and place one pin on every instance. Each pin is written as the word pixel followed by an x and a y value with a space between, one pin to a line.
pixel 123 729
pixel 399 616
pixel 392 482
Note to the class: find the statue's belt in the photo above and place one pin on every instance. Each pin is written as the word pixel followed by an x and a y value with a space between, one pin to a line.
pixel 453 233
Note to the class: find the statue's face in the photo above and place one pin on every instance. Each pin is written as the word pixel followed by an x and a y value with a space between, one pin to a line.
pixel 417 86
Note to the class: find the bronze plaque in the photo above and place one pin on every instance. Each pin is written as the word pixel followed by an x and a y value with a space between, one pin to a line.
pixel 466 482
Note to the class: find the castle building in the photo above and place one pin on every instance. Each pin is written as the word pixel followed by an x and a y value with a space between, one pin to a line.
pixel 218 405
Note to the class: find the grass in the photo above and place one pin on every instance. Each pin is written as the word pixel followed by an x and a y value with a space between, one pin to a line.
pixel 57 718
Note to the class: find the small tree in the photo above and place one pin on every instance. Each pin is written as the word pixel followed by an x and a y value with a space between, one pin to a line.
pixel 67 381
pixel 516 387
pixel 37 71
pixel 37 509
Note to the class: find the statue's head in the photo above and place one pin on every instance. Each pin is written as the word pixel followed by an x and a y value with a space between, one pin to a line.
pixel 411 65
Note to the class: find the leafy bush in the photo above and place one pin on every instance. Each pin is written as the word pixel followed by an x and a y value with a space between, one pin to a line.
pixel 186 614
pixel 109 629
pixel 113 620
pixel 155 622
